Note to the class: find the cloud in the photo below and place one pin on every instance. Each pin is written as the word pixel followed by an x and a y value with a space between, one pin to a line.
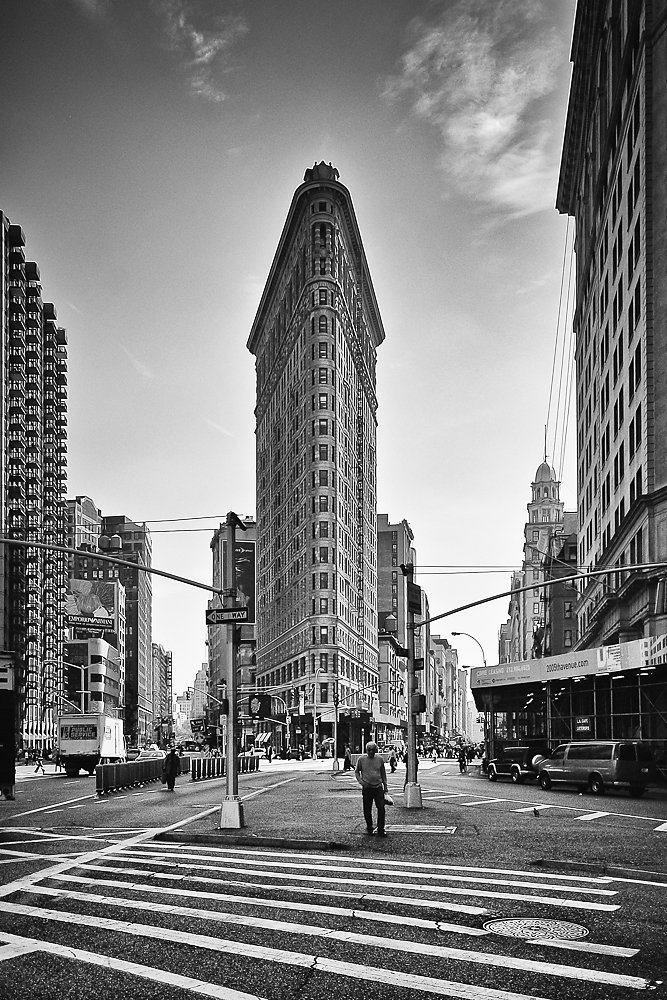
pixel 96 10
pixel 479 73
pixel 200 40
pixel 138 366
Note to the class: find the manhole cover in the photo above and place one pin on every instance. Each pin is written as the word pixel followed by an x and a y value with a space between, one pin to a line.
pixel 536 927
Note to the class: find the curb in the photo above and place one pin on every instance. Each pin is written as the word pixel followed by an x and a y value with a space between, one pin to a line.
pixel 251 840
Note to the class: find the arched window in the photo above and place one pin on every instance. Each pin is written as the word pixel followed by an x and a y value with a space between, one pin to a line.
pixel 322 324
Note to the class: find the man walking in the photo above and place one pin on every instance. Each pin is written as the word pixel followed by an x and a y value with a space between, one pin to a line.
pixel 371 774
pixel 171 768
pixel 39 761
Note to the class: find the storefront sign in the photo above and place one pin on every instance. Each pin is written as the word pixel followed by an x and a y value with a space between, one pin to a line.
pixel 598 661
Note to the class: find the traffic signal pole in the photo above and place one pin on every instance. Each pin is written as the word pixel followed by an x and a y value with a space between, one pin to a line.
pixel 412 796
pixel 231 814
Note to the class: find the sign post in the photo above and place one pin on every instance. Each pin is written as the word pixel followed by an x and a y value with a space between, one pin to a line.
pixel 413 792
pixel 231 814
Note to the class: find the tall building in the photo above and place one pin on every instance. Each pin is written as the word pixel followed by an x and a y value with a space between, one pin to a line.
pixel 163 723
pixel 136 548
pixel 33 459
pixel 315 339
pixel 614 184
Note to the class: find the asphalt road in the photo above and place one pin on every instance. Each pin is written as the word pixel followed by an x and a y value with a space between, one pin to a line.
pixel 93 906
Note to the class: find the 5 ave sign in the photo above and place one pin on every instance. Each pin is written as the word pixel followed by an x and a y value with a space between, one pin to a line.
pixel 218 616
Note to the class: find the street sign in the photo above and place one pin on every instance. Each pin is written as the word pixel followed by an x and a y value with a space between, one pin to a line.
pixel 218 616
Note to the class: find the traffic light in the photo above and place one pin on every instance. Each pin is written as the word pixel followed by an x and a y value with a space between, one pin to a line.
pixel 418 703
pixel 259 706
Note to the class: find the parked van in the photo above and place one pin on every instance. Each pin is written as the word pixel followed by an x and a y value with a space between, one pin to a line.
pixel 599 765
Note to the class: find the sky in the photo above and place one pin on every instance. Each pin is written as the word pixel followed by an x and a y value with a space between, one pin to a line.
pixel 150 150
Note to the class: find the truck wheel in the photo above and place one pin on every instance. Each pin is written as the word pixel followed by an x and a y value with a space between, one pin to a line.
pixel 517 777
pixel 596 784
pixel 492 773
pixel 545 781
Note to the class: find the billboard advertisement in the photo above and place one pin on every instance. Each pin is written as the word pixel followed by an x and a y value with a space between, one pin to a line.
pixel 91 604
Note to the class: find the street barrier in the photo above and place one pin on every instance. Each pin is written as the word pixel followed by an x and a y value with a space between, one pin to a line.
pixel 114 777
pixel 214 767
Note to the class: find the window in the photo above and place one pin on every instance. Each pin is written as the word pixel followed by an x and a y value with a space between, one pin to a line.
pixel 324 605
pixel 324 529
pixel 324 692
pixel 322 426
pixel 322 376
pixel 324 553
pixel 322 349
pixel 322 324
pixel 324 638
pixel 536 607
pixel 323 452
pixel 567 638
pixel 322 401
pixel 323 477
pixel 323 296
pixel 567 609
pixel 324 581
pixel 323 504
pixel 536 536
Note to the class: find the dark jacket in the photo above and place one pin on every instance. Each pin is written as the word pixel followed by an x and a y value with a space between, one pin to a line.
pixel 172 765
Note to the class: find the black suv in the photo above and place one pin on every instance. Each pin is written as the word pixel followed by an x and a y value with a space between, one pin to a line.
pixel 517 762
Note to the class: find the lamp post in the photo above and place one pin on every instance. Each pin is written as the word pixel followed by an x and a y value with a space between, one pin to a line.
pixel 491 728
pixel 315 683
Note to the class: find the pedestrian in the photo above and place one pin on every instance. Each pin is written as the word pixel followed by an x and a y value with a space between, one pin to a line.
pixel 371 774
pixel 269 753
pixel 463 761
pixel 39 762
pixel 392 761
pixel 347 759
pixel 171 768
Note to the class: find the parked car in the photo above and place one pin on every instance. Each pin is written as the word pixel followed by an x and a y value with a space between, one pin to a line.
pixel 601 764
pixel 516 763
pixel 253 752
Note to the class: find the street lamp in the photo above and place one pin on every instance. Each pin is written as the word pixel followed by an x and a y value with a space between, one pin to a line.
pixel 491 729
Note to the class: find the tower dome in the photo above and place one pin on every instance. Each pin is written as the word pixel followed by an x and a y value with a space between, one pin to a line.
pixel 545 474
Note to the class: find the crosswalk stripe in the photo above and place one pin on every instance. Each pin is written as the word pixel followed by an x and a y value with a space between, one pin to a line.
pixel 362 897
pixel 271 954
pixel 366 940
pixel 586 946
pixel 26 945
pixel 530 809
pixel 595 815
pixel 663 826
pixel 404 874
pixel 383 863
pixel 481 802
pixel 336 911
pixel 449 890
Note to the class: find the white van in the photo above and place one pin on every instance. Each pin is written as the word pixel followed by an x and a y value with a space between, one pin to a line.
pixel 600 764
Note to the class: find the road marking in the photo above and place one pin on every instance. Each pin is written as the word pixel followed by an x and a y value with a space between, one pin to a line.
pixel 295 958
pixel 53 811
pixel 31 812
pixel 530 809
pixel 588 816
pixel 663 826
pixel 200 856
pixel 383 863
pixel 482 802
pixel 586 946
pixel 20 946
pixel 422 829
pixel 336 911
pixel 361 897
pixel 448 890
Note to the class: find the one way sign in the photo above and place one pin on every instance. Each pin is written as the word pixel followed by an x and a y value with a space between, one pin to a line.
pixel 218 616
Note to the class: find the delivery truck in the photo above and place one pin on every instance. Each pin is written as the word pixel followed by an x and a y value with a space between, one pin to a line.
pixel 84 741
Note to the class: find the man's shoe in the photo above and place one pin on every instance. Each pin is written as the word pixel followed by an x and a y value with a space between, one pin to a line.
pixel 369 831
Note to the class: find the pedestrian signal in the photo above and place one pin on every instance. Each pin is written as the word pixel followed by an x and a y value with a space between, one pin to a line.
pixel 259 706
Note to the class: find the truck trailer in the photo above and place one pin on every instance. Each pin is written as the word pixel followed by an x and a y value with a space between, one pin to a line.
pixel 84 741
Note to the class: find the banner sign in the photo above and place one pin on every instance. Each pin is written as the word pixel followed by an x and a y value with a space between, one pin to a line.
pixel 91 604
pixel 599 661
